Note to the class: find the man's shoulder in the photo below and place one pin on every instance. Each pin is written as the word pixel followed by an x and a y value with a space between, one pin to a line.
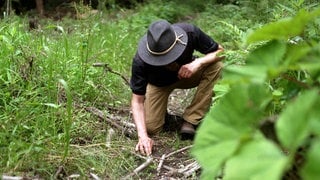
pixel 137 58
pixel 186 26
pixel 138 62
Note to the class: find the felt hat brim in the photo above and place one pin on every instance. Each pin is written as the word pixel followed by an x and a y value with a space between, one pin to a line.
pixel 167 58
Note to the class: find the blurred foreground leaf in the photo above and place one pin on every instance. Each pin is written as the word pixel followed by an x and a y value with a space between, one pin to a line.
pixel 311 169
pixel 229 124
pixel 258 159
pixel 283 29
pixel 293 126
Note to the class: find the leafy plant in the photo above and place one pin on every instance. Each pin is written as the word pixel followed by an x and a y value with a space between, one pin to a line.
pixel 230 140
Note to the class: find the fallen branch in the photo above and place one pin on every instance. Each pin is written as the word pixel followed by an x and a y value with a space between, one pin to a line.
pixel 172 171
pixel 94 176
pixel 140 168
pixel 107 68
pixel 140 156
pixel 87 146
pixel 127 131
pixel 187 167
pixel 191 169
pixel 120 120
pixel 59 172
pixel 179 150
pixel 170 168
pixel 164 156
pixel 74 176
pixel 4 177
pixel 160 164
pixel 186 171
pixel 109 137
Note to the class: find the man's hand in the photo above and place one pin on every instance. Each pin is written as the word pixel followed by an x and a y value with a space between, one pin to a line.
pixel 187 70
pixel 145 145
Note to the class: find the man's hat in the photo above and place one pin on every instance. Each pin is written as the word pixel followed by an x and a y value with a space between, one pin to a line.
pixel 163 43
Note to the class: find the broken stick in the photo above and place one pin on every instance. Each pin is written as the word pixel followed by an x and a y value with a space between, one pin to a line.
pixel 160 164
pixel 140 168
pixel 179 150
pixel 127 131
pixel 164 156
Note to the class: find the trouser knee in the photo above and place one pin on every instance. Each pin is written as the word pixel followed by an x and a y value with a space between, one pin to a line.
pixel 153 129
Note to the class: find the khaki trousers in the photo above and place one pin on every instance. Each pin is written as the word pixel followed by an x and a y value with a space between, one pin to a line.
pixel 157 98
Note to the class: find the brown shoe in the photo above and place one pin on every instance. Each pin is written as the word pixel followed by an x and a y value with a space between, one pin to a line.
pixel 187 131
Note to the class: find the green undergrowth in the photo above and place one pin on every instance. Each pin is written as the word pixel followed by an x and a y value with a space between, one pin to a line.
pixel 278 86
pixel 48 75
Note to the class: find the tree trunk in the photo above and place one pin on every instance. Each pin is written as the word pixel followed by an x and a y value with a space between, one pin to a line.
pixel 40 8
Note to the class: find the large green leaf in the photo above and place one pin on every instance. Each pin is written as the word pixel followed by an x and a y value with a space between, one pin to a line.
pixel 248 73
pixel 314 117
pixel 310 171
pixel 258 159
pixel 310 62
pixel 310 65
pixel 230 123
pixel 261 63
pixel 283 29
pixel 293 125
pixel 296 52
pixel 269 55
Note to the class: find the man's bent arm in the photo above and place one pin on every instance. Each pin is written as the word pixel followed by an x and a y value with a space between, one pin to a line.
pixel 187 70
pixel 210 57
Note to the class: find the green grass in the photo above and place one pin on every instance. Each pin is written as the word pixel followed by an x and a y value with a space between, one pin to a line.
pixel 47 77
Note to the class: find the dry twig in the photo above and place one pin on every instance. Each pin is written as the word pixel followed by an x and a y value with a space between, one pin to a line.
pixel 109 137
pixel 107 68
pixel 140 168
pixel 186 171
pixel 94 176
pixel 59 172
pixel 5 177
pixel 160 164
pixel 127 131
pixel 191 169
pixel 179 150
pixel 164 156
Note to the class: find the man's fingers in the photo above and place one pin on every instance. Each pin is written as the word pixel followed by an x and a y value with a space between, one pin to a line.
pixel 139 148
pixel 148 150
pixel 142 150
pixel 145 147
pixel 148 147
pixel 184 73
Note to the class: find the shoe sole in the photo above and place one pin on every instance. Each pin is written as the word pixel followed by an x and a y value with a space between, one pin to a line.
pixel 186 136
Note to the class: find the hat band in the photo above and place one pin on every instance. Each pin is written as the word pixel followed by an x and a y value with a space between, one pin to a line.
pixel 170 48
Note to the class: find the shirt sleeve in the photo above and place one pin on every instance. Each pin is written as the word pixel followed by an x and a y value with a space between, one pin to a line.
pixel 203 42
pixel 138 81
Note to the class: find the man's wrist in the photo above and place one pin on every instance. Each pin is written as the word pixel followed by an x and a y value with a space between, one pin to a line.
pixel 143 135
pixel 198 62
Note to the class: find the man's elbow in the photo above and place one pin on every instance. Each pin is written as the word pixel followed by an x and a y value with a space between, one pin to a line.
pixel 137 99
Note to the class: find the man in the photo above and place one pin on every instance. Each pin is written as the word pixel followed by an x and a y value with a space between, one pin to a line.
pixel 164 61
